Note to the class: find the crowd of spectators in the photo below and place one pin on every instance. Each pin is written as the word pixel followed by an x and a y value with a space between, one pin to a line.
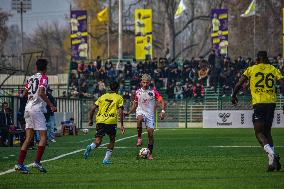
pixel 179 80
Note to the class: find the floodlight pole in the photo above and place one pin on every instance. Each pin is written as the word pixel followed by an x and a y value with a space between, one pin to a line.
pixel 120 29
pixel 22 37
pixel 21 6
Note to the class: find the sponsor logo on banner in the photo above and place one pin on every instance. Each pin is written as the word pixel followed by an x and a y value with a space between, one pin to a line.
pixel 224 118
pixel 278 119
pixel 236 119
pixel 242 119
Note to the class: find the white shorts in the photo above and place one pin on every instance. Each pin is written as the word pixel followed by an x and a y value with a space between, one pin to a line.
pixel 149 120
pixel 35 120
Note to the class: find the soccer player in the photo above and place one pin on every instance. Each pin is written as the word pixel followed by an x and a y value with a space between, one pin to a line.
pixel 35 89
pixel 144 104
pixel 262 77
pixel 109 105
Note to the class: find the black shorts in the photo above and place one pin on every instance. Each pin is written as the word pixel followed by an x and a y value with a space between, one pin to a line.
pixel 263 113
pixel 102 129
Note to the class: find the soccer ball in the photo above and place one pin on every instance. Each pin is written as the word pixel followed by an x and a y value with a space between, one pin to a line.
pixel 85 131
pixel 144 152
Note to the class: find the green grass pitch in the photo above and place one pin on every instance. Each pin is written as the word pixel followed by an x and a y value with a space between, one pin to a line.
pixel 184 158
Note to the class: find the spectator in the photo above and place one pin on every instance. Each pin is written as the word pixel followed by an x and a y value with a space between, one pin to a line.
pixel 102 87
pixel 128 70
pixel 178 92
pixel 203 74
pixel 69 127
pixel 99 62
pixel 111 74
pixel 108 65
pixel 198 92
pixel 6 125
pixel 120 67
pixel 127 99
pixel 211 58
pixel 134 65
pixel 187 90
pixel 50 118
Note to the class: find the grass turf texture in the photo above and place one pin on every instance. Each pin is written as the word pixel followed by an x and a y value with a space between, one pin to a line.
pixel 184 158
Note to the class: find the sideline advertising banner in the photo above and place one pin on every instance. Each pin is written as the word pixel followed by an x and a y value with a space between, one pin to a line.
pixel 236 119
pixel 143 34
pixel 219 34
pixel 79 34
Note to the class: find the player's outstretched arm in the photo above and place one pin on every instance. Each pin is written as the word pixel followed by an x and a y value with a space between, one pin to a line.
pixel 91 114
pixel 121 115
pixel 237 88
pixel 163 106
pixel 133 108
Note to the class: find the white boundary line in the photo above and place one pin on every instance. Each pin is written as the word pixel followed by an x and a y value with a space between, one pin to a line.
pixel 67 154
pixel 240 146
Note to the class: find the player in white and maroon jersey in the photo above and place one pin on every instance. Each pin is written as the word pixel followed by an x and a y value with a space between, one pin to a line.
pixel 36 87
pixel 144 104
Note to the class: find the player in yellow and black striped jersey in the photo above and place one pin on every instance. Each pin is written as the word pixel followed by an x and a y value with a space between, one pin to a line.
pixel 262 78
pixel 108 106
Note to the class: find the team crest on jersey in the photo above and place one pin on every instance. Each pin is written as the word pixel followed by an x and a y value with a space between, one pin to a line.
pixel 150 94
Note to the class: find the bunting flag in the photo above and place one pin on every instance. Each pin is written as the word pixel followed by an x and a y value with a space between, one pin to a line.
pixel 181 7
pixel 103 15
pixel 250 10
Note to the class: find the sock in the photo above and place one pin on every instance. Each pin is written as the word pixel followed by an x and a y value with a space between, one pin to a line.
pixel 22 156
pixel 39 153
pixel 108 154
pixel 139 131
pixel 93 146
pixel 150 147
pixel 268 149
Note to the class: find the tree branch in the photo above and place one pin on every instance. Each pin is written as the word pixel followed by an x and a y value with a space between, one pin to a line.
pixel 192 20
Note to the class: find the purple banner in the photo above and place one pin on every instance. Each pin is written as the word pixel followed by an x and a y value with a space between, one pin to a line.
pixel 79 34
pixel 220 32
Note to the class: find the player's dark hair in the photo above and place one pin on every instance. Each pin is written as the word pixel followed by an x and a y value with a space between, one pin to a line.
pixel 41 64
pixel 113 86
pixel 262 57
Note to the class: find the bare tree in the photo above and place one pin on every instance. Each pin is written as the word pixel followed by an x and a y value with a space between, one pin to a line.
pixel 3 29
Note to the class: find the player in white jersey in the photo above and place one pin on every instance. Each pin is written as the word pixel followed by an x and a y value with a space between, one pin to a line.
pixel 36 87
pixel 145 104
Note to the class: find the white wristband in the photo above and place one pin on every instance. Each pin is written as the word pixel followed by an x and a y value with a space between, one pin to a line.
pixel 163 111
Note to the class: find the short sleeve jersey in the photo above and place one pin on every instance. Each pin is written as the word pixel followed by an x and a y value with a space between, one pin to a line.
pixel 108 105
pixel 262 78
pixel 32 86
pixel 146 100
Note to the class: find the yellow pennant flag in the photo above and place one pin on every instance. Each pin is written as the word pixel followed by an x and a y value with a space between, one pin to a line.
pixel 250 10
pixel 103 15
pixel 180 9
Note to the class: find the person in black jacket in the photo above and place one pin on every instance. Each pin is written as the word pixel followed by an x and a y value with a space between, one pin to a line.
pixel 50 118
pixel 6 125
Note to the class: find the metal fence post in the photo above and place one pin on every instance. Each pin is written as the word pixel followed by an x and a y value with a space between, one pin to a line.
pixel 186 102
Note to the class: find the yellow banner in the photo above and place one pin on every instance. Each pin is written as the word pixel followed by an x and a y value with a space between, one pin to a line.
pixel 143 33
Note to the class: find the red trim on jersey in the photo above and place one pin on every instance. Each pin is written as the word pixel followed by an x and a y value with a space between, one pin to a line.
pixel 157 94
pixel 43 81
